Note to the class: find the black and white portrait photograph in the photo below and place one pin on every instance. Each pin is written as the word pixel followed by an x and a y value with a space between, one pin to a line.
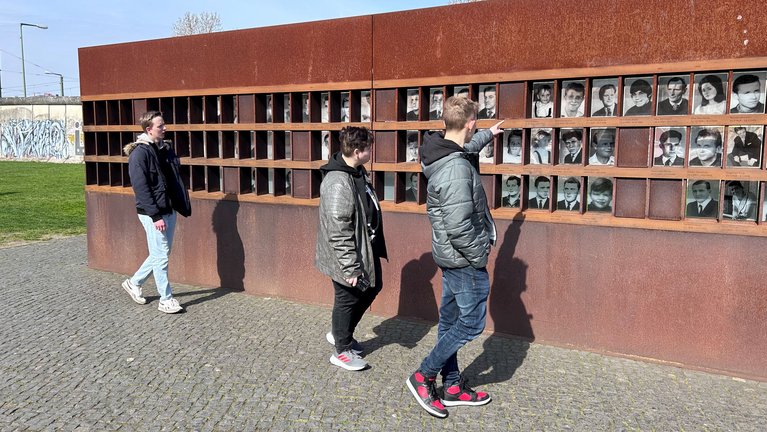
pixel 345 112
pixel 288 151
pixel 461 90
pixel 270 145
pixel 487 102
pixel 702 198
pixel 637 96
pixel 510 190
pixel 604 97
pixel 411 187
pixel 540 145
pixel 540 192
pixel 512 146
pixel 710 93
pixel 286 107
pixel 487 154
pixel 747 92
pixel 669 146
pixel 600 195
pixel 411 151
pixel 543 99
pixel 744 146
pixel 325 145
pixel 325 108
pixel 304 107
pixel 602 146
pixel 569 194
pixel 571 146
pixel 366 106
pixel 288 174
pixel 740 200
pixel 673 95
pixel 573 101
pixel 412 104
pixel 436 103
pixel 268 108
pixel 706 146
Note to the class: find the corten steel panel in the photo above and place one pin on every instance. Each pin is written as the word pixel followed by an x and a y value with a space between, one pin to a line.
pixel 634 147
pixel 666 199
pixel 507 36
pixel 338 50
pixel 630 197
pixel 302 146
pixel 511 100
pixel 635 292
pixel 386 105
pixel 386 146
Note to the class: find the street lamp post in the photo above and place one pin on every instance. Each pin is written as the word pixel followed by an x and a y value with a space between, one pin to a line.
pixel 61 80
pixel 21 36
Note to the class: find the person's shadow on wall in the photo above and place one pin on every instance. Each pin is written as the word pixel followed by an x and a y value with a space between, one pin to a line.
pixel 416 300
pixel 502 356
pixel 230 253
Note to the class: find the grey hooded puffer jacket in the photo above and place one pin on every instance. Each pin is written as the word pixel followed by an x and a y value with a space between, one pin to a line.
pixel 462 227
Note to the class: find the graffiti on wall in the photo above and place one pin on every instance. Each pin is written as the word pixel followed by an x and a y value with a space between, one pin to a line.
pixel 34 139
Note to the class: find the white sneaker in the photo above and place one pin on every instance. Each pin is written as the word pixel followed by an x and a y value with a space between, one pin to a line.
pixel 170 306
pixel 348 360
pixel 356 347
pixel 134 291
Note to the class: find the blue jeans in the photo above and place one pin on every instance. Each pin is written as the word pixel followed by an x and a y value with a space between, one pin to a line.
pixel 159 244
pixel 461 319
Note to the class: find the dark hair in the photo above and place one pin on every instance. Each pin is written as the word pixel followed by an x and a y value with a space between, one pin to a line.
pixel 735 184
pixel 514 133
pixel 146 119
pixel 705 133
pixel 513 178
pixel 575 86
pixel 488 88
pixel 604 88
pixel 669 134
pixel 676 79
pixel 438 91
pixel 641 85
pixel 716 83
pixel 572 133
pixel 355 138
pixel 573 180
pixel 541 179
pixel 738 128
pixel 705 182
pixel 743 79
pixel 602 184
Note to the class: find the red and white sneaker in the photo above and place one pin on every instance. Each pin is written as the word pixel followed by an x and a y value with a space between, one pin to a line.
pixel 348 360
pixel 425 393
pixel 460 394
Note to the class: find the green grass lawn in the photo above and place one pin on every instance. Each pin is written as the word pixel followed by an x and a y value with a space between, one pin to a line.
pixel 39 200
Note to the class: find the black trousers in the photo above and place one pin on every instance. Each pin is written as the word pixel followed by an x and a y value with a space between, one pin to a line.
pixel 348 307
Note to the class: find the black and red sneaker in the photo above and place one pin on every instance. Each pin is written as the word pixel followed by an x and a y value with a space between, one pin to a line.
pixel 425 392
pixel 460 394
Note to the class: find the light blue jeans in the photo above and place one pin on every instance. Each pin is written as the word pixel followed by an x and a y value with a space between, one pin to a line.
pixel 462 314
pixel 159 243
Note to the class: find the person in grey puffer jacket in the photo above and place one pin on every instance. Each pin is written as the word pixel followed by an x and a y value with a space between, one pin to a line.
pixel 350 242
pixel 462 233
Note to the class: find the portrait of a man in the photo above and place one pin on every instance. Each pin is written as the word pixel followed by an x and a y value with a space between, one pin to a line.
pixel 571 146
pixel 512 185
pixel 604 97
pixel 437 98
pixel 569 194
pixel 602 146
pixel 411 152
pixel 413 107
pixel 637 96
pixel 745 146
pixel 706 146
pixel 411 190
pixel 672 95
pixel 700 198
pixel 747 93
pixel 740 202
pixel 487 102
pixel 669 150
pixel 539 195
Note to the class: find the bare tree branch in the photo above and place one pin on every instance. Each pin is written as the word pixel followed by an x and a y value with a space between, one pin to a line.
pixel 190 23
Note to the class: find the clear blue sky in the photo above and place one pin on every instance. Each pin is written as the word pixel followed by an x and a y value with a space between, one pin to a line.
pixel 73 24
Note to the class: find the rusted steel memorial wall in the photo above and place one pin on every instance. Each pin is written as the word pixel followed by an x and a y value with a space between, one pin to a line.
pixel 633 116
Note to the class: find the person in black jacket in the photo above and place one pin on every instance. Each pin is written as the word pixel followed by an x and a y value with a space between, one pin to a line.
pixel 160 193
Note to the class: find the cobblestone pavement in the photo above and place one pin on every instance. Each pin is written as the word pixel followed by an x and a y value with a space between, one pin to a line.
pixel 77 354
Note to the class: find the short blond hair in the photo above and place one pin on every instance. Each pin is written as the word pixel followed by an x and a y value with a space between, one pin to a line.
pixel 458 111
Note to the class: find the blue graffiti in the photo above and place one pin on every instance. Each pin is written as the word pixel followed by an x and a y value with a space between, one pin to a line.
pixel 36 139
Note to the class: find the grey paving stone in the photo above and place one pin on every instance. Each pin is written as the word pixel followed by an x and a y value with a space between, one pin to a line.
pixel 77 354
